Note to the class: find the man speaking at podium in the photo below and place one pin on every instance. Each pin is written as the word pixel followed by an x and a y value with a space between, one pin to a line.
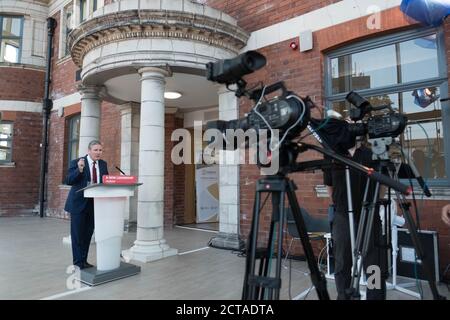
pixel 82 172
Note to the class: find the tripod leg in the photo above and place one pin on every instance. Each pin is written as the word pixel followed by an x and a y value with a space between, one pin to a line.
pixel 367 233
pixel 281 219
pixel 248 291
pixel 353 290
pixel 418 247
pixel 266 260
pixel 317 278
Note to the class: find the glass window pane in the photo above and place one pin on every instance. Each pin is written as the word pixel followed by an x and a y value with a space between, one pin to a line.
pixel 419 59
pixel 342 107
pixel 6 128
pixel 9 50
pixel 4 155
pixel 75 126
pixel 374 68
pixel 11 27
pixel 68 10
pixel 83 10
pixel 422 100
pixel 339 75
pixel 424 143
pixel 73 150
pixel 364 70
pixel 74 136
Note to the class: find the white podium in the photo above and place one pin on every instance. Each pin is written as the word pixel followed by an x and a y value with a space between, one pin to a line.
pixel 109 207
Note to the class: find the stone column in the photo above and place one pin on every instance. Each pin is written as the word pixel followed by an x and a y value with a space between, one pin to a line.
pixel 90 117
pixel 89 125
pixel 129 155
pixel 228 236
pixel 150 244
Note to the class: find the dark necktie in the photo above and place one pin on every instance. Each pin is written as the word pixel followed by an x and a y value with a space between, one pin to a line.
pixel 94 173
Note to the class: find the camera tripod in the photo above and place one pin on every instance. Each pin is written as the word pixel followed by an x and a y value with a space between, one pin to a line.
pixel 365 229
pixel 263 286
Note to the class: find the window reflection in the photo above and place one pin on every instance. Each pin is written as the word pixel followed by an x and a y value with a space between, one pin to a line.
pixel 391 69
pixel 6 130
pixel 11 27
pixel 403 62
pixel 424 143
pixel 10 38
pixel 418 59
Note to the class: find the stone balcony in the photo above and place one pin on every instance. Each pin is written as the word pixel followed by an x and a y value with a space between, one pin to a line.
pixel 165 32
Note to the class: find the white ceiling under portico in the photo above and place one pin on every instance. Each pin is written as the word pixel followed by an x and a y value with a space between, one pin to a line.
pixel 197 92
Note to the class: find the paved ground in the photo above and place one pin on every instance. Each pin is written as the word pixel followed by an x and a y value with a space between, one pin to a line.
pixel 34 261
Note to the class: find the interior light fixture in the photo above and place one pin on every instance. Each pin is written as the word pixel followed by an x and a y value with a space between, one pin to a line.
pixel 172 95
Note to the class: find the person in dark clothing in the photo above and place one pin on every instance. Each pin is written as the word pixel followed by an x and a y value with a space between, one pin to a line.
pixel 335 180
pixel 82 172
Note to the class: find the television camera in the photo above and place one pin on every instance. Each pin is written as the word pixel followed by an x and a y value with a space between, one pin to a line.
pixel 290 114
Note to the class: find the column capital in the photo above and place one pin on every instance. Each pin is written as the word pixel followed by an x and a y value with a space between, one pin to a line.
pixel 90 91
pixel 151 72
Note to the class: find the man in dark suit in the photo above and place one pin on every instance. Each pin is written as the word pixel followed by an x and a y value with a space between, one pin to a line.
pixel 83 171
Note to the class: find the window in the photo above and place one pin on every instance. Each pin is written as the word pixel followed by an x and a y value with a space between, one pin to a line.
pixel 409 71
pixel 68 26
pixel 87 7
pixel 10 38
pixel 6 135
pixel 74 137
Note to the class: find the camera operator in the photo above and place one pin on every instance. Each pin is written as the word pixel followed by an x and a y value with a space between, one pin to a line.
pixel 336 182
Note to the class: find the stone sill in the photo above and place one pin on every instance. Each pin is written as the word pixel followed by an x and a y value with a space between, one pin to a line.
pixel 7 164
pixel 21 66
pixel 63 59
pixel 64 187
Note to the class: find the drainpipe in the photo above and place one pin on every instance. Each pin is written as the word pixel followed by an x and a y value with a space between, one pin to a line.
pixel 47 104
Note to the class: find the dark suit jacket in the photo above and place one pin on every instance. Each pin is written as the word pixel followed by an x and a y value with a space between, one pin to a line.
pixel 76 202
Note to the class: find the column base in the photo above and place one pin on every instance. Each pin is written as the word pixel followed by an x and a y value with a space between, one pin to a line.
pixel 146 251
pixel 230 241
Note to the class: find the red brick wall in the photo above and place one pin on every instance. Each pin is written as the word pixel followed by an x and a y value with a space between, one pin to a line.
pixel 19 193
pixel 179 183
pixel 21 84
pixel 169 179
pixel 257 14
pixel 174 192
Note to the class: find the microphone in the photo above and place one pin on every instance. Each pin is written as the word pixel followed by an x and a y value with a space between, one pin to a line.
pixel 120 170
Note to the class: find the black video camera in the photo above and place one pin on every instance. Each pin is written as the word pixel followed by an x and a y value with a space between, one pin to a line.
pixel 390 124
pixel 288 112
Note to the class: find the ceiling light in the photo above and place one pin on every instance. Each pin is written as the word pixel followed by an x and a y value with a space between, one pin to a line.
pixel 172 95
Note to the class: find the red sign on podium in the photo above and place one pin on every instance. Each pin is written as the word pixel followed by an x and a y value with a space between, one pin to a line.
pixel 119 179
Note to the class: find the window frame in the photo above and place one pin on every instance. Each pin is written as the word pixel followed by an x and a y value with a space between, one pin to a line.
pixel 440 81
pixel 91 7
pixel 10 139
pixel 70 141
pixel 19 55
pixel 65 50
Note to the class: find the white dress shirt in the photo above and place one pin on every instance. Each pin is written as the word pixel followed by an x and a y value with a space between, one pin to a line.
pixel 91 164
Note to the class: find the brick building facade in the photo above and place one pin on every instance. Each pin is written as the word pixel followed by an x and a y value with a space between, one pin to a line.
pixel 262 25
